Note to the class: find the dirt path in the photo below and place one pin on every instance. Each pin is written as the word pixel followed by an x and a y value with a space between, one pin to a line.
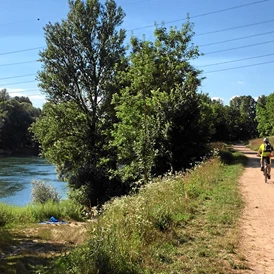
pixel 257 226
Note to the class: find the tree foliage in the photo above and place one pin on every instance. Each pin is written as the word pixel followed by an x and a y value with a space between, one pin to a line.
pixel 16 116
pixel 83 53
pixel 115 117
pixel 264 115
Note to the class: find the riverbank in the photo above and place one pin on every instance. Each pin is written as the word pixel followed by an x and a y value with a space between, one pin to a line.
pixel 17 175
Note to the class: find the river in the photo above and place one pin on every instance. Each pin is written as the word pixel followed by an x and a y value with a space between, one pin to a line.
pixel 16 175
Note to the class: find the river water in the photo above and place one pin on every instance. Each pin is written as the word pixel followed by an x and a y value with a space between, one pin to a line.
pixel 16 175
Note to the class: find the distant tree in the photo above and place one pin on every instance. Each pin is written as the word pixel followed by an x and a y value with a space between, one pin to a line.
pixel 262 118
pixel 4 95
pixel 220 120
pixel 15 120
pixel 23 99
pixel 243 110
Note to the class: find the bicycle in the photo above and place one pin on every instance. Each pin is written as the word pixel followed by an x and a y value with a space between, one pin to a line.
pixel 265 172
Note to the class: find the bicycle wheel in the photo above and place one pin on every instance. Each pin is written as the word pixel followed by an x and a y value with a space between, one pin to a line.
pixel 265 171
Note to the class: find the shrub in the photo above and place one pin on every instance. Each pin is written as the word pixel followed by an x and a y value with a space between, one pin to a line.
pixel 42 192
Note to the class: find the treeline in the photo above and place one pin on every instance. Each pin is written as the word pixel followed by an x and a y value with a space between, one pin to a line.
pixel 16 116
pixel 119 115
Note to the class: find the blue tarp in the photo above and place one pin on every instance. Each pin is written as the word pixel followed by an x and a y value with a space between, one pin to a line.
pixel 53 220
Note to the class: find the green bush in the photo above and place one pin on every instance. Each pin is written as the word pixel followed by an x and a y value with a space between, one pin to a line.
pixel 42 193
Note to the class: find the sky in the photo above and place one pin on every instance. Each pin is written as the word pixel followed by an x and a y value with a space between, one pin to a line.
pixel 236 38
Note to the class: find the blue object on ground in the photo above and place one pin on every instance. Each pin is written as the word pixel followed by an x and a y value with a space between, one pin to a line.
pixel 53 219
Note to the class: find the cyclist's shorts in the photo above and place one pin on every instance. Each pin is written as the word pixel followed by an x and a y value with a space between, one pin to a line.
pixel 268 159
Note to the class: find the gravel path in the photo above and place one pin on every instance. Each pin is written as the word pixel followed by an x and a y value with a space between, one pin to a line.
pixel 257 226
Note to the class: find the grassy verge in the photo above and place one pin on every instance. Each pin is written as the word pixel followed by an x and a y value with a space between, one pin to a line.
pixel 180 224
pixel 254 144
pixel 24 242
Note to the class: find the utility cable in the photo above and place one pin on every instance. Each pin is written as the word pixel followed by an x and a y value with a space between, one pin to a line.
pixel 252 65
pixel 205 14
pixel 19 63
pixel 247 46
pixel 19 76
pixel 236 39
pixel 238 60
pixel 233 28
pixel 22 50
pixel 17 83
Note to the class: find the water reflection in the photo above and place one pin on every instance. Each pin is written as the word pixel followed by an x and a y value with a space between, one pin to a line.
pixel 16 175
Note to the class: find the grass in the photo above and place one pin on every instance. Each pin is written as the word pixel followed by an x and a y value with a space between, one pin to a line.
pixel 187 223
pixel 38 244
pixel 254 144
pixel 33 213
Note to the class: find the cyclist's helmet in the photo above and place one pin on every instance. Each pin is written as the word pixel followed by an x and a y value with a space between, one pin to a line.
pixel 266 140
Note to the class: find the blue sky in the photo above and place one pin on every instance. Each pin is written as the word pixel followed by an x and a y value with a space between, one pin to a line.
pixel 236 30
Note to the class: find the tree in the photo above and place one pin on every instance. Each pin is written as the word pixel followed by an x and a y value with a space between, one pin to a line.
pixel 139 109
pixel 264 126
pixel 160 114
pixel 244 109
pixel 80 62
pixel 15 119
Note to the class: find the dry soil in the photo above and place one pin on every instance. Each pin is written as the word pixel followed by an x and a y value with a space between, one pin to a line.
pixel 257 225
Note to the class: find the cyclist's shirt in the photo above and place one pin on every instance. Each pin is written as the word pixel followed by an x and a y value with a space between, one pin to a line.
pixel 266 150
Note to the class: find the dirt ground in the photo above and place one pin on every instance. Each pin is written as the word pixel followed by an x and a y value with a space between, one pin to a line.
pixel 257 227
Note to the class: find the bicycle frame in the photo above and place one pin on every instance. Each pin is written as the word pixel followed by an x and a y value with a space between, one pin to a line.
pixel 265 171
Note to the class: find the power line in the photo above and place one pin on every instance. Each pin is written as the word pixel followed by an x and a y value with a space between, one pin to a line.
pixel 19 63
pixel 219 42
pixel 19 76
pixel 11 52
pixel 253 3
pixel 17 83
pixel 214 64
pixel 238 60
pixel 247 46
pixel 232 28
pixel 205 14
pixel 236 39
pixel 252 65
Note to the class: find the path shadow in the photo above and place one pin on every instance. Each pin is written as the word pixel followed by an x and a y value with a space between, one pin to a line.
pixel 25 254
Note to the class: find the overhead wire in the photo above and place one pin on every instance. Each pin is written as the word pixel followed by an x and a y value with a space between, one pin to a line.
pixel 18 63
pixel 22 50
pixel 18 76
pixel 205 14
pixel 236 27
pixel 237 60
pixel 17 83
pixel 245 66
pixel 236 39
pixel 241 47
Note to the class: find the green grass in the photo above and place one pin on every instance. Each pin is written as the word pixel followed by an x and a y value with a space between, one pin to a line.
pixel 254 144
pixel 180 224
pixel 14 215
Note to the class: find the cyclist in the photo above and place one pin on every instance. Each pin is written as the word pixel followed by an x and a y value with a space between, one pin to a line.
pixel 266 151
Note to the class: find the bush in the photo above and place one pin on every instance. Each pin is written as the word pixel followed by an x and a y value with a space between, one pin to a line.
pixel 42 193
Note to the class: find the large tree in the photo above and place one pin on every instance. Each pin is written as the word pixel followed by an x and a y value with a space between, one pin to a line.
pixel 161 123
pixel 78 67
